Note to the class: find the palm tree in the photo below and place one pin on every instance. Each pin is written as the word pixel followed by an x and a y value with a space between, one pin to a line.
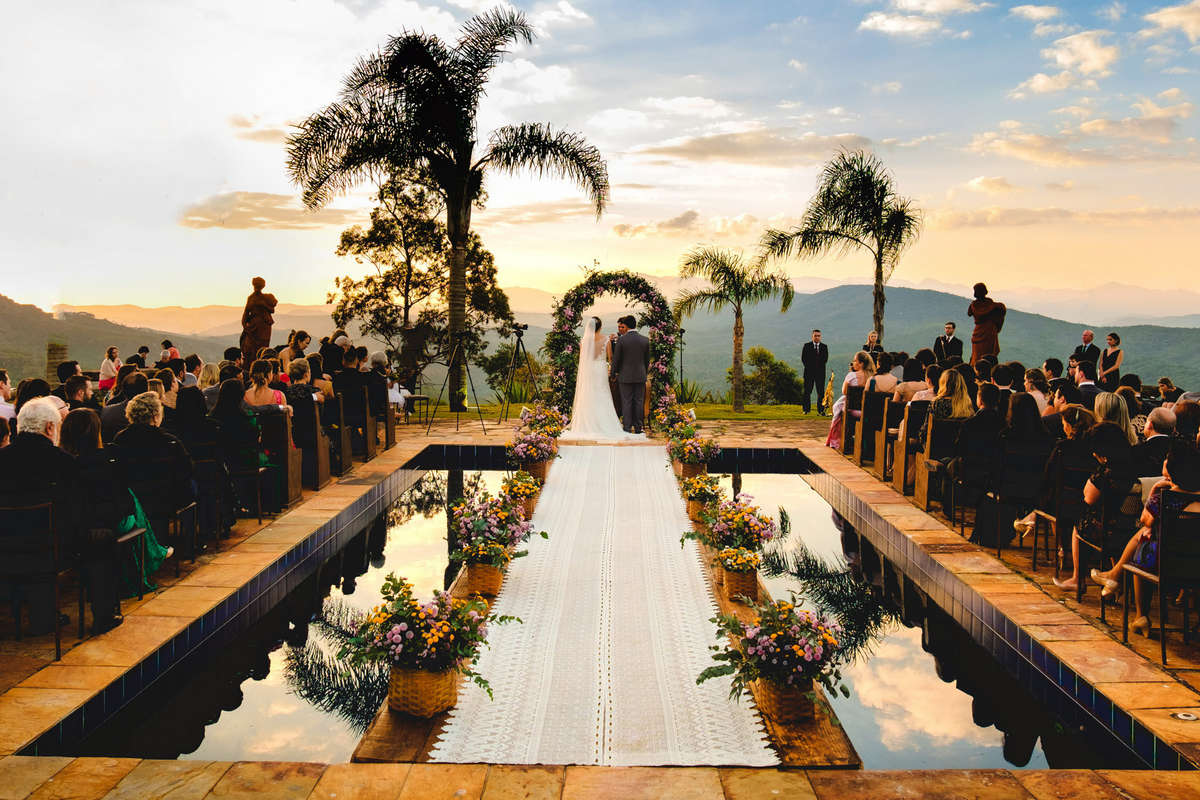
pixel 856 206
pixel 410 108
pixel 732 282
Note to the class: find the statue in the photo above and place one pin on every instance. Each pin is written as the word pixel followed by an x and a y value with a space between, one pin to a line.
pixel 257 322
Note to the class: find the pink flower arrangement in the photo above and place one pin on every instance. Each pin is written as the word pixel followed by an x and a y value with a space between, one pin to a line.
pixel 738 523
pixel 693 450
pixel 529 447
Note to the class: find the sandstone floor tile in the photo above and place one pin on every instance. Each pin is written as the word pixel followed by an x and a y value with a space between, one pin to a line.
pixel 1166 694
pixel 1105 662
pixel 239 557
pixel 1067 633
pixel 59 676
pixel 765 784
pixel 17 666
pixel 251 780
pixel 27 713
pixel 169 780
pixel 20 775
pixel 518 782
pixel 642 783
pixel 361 782
pixel 974 784
pixel 184 601
pixel 1147 784
pixel 127 645
pixel 232 576
pixel 969 562
pixel 85 779
pixel 445 782
pixel 1168 728
pixel 1066 784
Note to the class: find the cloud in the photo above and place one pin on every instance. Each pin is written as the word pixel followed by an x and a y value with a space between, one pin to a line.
pixel 1113 12
pixel 935 7
pixel 1061 186
pixel 900 24
pixel 1184 18
pixel 914 142
pixel 558 15
pixel 1044 29
pixel 799 66
pixel 703 107
pixel 990 185
pixel 1155 124
pixel 246 210
pixel 1085 53
pixel 686 222
pixel 534 213
pixel 254 129
pixel 521 82
pixel 1074 111
pixel 1041 83
pixel 949 219
pixel 763 147
pixel 1035 13
pixel 1177 71
pixel 1051 151
pixel 891 87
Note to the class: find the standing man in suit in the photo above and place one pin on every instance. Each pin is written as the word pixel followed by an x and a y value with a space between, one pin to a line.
pixel 630 363
pixel 814 356
pixel 948 345
pixel 1087 351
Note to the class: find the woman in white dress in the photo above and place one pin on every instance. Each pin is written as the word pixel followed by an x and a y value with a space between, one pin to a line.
pixel 593 417
pixel 862 368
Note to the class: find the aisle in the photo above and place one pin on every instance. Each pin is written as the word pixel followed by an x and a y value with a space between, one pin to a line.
pixel 616 628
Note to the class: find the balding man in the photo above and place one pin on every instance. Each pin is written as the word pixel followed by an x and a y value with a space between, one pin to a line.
pixel 1148 456
pixel 1087 351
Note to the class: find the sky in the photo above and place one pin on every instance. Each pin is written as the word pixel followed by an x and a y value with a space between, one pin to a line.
pixel 1047 145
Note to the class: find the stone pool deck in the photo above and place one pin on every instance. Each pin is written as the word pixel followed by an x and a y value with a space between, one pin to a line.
pixel 134 779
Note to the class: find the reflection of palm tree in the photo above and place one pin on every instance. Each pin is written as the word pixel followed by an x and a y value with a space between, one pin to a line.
pixel 835 591
pixel 352 691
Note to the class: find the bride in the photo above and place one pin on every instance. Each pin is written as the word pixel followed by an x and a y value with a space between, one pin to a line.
pixel 592 414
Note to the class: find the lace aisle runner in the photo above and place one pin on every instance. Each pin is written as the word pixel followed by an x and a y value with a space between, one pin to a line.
pixel 616 629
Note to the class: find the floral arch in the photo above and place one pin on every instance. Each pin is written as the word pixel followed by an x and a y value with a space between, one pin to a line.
pixel 656 323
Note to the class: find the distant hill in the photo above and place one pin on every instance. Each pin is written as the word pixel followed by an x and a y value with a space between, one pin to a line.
pixel 26 329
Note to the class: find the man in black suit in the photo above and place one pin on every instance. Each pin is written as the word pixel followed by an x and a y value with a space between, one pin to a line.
pixel 1085 379
pixel 1065 395
pixel 349 383
pixel 1052 368
pixel 631 364
pixel 814 356
pixel 66 369
pixel 948 345
pixel 1087 351
pixel 1148 456
pixel 112 417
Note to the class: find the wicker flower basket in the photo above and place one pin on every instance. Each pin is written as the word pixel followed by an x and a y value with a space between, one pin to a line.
pixel 421 693
pixel 694 509
pixel 677 466
pixel 538 469
pixel 785 705
pixel 528 505
pixel 484 579
pixel 739 584
pixel 693 470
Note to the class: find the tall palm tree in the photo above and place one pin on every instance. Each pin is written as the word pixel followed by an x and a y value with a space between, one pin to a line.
pixel 856 206
pixel 411 108
pixel 733 283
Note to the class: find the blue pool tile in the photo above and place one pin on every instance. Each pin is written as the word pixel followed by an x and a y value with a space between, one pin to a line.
pixel 1122 725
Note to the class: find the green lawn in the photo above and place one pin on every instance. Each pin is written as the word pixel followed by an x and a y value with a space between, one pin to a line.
pixel 720 411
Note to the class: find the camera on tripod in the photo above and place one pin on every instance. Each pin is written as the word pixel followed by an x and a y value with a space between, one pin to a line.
pixel 517 326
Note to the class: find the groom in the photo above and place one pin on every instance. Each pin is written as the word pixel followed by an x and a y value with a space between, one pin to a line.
pixel 630 361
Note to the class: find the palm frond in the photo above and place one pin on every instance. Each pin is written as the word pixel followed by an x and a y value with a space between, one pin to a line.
pixel 545 151
pixel 352 691
pixel 484 43
pixel 690 301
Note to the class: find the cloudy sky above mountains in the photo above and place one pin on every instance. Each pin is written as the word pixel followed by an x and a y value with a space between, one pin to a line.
pixel 1050 145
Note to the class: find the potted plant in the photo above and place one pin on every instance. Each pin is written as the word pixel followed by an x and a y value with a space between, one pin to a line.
pixel 738 567
pixel 545 419
pixel 533 451
pixel 430 646
pixel 487 531
pixel 739 523
pixel 700 492
pixel 522 489
pixel 779 654
pixel 691 455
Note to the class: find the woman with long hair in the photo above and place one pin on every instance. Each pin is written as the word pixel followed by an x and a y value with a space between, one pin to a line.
pixel 1037 387
pixel 108 369
pixel 862 368
pixel 1111 408
pixel 260 393
pixel 1111 358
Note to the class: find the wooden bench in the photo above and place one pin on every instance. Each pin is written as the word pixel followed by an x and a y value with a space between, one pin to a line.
pixel 277 439
pixel 939 443
pixel 854 398
pixel 389 426
pixel 340 447
pixel 885 437
pixel 914 418
pixel 370 428
pixel 873 404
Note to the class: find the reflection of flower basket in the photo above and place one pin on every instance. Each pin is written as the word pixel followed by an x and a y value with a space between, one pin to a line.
pixel 421 693
pixel 785 705
pixel 740 584
pixel 483 579
pixel 528 505
pixel 538 469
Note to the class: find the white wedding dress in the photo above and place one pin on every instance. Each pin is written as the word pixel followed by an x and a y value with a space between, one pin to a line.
pixel 593 418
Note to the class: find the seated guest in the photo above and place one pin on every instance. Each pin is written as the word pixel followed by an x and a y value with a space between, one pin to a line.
pixel 926 357
pixel 980 433
pixel 1187 420
pixel 862 368
pixel 1073 369
pixel 28 390
pixel 211 393
pixel 78 391
pixel 200 433
pixel 1181 473
pixel 303 397
pixel 1149 455
pixel 1002 378
pixel 279 378
pixel 110 503
pixel 1037 387
pixel 6 397
pixel 318 376
pixel 1133 406
pixel 1110 408
pixel 210 375
pixel 377 383
pixel 1105 491
pixel 116 395
pixel 898 359
pixel 362 354
pixel 1168 390
pixel 297 342
pixel 882 380
pixel 1071 450
pixel 349 384
pixel 65 370
pixel 332 349
pixel 1024 424
pixel 933 377
pixel 112 418
pixel 108 369
pixel 138 359
pixel 1016 369
pixel 951 402
pixel 260 393
pixel 240 437
pixel 1064 396
pixel 191 371
pixel 1086 381
pixel 1052 368
pixel 968 374
pixel 170 382
pixel 171 350
pixel 234 356
pixel 144 450
pixel 913 381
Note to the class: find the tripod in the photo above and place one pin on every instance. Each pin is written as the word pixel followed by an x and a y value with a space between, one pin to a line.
pixel 455 352
pixel 513 365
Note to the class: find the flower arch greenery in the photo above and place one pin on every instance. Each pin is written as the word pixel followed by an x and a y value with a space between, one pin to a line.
pixel 655 321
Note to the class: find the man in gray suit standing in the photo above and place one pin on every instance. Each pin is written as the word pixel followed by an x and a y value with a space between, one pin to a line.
pixel 630 361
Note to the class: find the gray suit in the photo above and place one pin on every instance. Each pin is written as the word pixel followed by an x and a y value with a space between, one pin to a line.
pixel 630 361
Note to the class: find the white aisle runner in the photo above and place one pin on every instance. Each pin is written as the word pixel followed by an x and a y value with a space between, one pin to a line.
pixel 616 629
